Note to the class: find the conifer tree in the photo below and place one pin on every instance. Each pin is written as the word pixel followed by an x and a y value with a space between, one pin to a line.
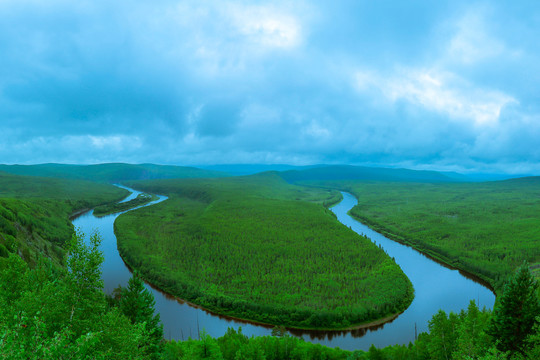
pixel 137 303
pixel 515 314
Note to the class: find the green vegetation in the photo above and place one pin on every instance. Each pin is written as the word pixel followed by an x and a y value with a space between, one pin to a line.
pixel 36 201
pixel 111 173
pixel 35 212
pixel 260 249
pixel 54 312
pixel 49 311
pixel 61 313
pixel 453 336
pixel 515 316
pixel 462 336
pixel 235 345
pixel 487 229
pixel 113 208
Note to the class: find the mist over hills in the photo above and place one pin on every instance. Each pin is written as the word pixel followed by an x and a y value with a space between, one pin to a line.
pixel 111 172
pixel 347 172
pixel 118 172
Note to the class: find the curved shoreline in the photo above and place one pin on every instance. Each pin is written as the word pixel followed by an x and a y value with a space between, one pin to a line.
pixel 430 255
pixel 181 317
pixel 478 278
pixel 364 325
pixel 229 313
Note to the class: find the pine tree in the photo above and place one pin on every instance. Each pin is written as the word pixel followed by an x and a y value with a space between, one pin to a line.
pixel 137 303
pixel 514 315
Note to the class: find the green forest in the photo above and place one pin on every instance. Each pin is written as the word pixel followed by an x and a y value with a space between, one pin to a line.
pixel 52 305
pixel 113 208
pixel 35 213
pixel 258 248
pixel 487 229
pixel 111 172
pixel 49 312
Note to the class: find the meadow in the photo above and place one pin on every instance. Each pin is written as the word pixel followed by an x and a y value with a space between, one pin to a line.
pixel 258 248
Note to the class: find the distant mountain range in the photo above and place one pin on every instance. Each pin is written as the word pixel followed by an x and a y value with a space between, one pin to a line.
pixel 118 172
pixel 112 172
pixel 345 172
pixel 250 169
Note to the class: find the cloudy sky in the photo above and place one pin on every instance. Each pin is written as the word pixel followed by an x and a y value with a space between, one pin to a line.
pixel 422 84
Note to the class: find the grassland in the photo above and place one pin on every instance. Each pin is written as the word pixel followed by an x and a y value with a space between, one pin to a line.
pixel 113 208
pixel 35 212
pixel 260 249
pixel 487 229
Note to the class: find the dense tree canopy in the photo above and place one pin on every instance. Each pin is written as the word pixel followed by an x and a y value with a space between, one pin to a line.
pixel 258 248
pixel 515 313
pixel 61 313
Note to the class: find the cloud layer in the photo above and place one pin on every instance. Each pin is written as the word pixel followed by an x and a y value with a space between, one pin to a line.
pixel 444 85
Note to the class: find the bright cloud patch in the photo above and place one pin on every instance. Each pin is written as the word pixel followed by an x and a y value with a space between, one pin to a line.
pixel 115 142
pixel 266 26
pixel 471 42
pixel 441 92
pixel 193 82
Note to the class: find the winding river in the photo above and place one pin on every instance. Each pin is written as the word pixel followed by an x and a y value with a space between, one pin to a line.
pixel 436 287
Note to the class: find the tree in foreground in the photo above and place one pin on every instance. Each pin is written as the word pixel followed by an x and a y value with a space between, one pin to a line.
pixel 515 314
pixel 60 313
pixel 138 304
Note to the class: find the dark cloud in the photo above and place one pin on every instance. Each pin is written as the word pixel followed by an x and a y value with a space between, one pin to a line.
pixel 217 119
pixel 422 84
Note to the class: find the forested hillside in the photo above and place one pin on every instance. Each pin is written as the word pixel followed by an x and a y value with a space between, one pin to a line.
pixel 60 312
pixel 260 249
pixel 112 172
pixel 35 212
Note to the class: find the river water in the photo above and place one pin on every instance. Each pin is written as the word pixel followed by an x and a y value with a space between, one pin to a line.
pixel 436 287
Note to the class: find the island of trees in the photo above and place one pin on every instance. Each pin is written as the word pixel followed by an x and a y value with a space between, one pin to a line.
pixel 260 249
pixel 52 304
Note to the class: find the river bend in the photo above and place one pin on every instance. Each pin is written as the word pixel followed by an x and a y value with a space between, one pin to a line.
pixel 436 287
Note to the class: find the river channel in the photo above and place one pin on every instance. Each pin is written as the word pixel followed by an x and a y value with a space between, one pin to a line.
pixel 436 287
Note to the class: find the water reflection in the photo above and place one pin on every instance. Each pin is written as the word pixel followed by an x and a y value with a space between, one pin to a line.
pixel 436 287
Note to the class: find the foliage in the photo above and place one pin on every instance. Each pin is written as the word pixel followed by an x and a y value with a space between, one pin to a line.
pixel 35 212
pixel 533 341
pixel 452 336
pixel 258 248
pixel 487 229
pixel 514 315
pixel 138 304
pixel 113 208
pixel 50 312
pixel 235 346
pixel 57 313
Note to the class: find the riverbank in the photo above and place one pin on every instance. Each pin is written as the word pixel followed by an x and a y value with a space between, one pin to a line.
pixel 432 282
pixel 238 247
pixel 434 256
pixel 113 208
pixel 373 324
pixel 483 229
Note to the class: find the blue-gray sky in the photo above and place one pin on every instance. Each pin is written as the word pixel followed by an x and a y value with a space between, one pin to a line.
pixel 449 85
